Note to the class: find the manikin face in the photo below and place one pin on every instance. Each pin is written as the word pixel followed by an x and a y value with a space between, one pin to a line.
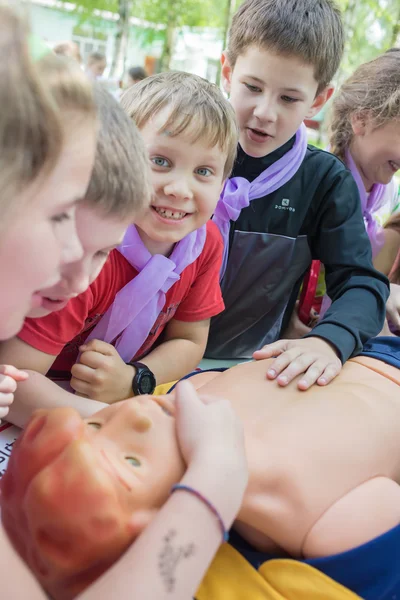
pixel 272 94
pixel 42 237
pixel 187 180
pixel 78 483
pixel 98 234
pixel 137 443
pixel 375 150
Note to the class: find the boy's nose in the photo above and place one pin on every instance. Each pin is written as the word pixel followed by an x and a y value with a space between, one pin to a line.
pixel 265 110
pixel 76 278
pixel 72 250
pixel 179 189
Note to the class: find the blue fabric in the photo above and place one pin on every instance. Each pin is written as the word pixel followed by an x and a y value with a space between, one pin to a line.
pixel 372 571
pixel 386 349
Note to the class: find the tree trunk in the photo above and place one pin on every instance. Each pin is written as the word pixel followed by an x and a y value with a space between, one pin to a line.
pixel 169 42
pixel 395 31
pixel 121 38
pixel 229 8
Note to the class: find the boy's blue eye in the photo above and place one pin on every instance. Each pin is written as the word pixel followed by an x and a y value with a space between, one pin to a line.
pixel 289 100
pixel 252 88
pixel 159 161
pixel 60 218
pixel 132 460
pixel 204 172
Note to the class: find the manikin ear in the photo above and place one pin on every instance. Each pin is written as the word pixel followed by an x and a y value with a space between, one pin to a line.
pixel 319 101
pixel 226 72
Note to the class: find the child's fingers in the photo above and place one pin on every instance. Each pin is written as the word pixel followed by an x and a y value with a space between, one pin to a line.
pixel 13 372
pixel 82 387
pixel 186 397
pixel 270 350
pixel 3 411
pixel 98 346
pixel 282 362
pixel 311 375
pixel 8 385
pixel 320 373
pixel 297 366
pixel 329 374
pixel 6 399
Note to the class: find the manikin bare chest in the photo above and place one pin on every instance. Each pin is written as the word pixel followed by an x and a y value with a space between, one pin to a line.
pixel 306 450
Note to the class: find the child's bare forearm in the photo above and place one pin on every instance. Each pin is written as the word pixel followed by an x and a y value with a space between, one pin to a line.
pixel 39 392
pixel 174 359
pixel 184 529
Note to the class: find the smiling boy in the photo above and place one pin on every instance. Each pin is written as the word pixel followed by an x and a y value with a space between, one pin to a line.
pixel 145 318
pixel 289 203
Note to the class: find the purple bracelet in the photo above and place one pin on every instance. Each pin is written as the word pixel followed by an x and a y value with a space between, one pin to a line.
pixel 186 488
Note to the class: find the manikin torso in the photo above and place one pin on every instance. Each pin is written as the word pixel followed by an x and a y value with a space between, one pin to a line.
pixel 306 450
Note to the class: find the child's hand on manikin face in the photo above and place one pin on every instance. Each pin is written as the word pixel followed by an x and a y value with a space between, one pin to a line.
pixel 313 356
pixel 211 440
pixel 9 377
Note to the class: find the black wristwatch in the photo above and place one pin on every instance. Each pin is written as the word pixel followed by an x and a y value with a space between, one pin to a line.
pixel 143 381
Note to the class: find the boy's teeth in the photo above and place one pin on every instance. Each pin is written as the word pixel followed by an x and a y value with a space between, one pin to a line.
pixel 169 214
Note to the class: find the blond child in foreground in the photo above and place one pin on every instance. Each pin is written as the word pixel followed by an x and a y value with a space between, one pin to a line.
pixel 46 162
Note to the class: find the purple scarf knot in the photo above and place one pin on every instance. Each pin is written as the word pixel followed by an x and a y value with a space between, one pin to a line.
pixel 238 192
pixel 136 306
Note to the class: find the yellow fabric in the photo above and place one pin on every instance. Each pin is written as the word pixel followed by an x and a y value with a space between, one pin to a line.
pixel 163 388
pixel 231 577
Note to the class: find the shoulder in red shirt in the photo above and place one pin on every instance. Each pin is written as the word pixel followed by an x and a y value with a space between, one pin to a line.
pixel 195 297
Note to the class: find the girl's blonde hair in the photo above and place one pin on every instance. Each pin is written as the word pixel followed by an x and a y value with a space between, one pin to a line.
pixel 372 91
pixel 32 96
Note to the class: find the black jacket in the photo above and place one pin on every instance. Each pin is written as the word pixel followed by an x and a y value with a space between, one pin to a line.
pixel 319 204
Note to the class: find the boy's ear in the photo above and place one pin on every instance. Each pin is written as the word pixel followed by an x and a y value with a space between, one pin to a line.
pixel 319 101
pixel 226 72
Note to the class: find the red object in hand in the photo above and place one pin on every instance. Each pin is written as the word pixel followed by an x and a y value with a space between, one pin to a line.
pixel 307 296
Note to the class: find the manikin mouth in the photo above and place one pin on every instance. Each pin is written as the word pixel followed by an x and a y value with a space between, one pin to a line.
pixel 167 213
pixel 395 166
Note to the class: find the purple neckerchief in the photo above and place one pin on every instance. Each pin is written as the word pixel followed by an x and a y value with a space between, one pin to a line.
pixel 238 192
pixel 370 203
pixel 136 307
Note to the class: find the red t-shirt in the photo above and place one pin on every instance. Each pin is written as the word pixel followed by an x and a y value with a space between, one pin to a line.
pixel 195 297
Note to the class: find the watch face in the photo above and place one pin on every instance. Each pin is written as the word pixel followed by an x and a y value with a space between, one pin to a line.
pixel 147 383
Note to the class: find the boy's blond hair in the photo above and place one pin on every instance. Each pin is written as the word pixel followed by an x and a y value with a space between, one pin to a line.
pixel 119 185
pixel 373 92
pixel 196 106
pixel 310 30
